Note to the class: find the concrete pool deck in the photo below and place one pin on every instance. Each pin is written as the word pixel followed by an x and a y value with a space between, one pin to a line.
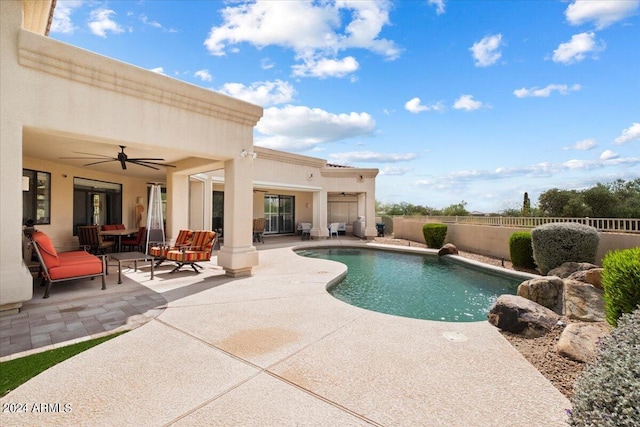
pixel 276 349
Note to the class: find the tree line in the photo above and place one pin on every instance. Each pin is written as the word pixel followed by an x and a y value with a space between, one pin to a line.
pixel 617 199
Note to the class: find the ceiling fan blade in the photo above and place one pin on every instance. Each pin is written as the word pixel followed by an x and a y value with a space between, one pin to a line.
pixel 145 158
pixel 152 163
pixel 84 158
pixel 93 154
pixel 142 164
pixel 97 163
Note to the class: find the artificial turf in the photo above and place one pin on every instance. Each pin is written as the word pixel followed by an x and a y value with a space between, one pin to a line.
pixel 18 371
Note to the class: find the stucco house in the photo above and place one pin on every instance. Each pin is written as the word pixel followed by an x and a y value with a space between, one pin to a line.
pixel 58 102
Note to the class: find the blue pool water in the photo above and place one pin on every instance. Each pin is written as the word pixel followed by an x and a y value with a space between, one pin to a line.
pixel 414 285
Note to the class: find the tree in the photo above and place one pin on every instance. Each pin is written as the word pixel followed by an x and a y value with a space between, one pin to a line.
pixel 601 201
pixel 457 209
pixel 526 205
pixel 552 202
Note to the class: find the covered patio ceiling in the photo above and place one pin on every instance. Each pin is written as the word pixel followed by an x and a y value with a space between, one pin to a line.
pixel 51 146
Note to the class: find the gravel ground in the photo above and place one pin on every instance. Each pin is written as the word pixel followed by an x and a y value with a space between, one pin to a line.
pixel 540 352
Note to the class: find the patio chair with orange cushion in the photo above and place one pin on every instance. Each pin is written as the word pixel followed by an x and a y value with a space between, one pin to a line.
pixel 198 251
pixel 60 266
pixel 159 251
pixel 136 243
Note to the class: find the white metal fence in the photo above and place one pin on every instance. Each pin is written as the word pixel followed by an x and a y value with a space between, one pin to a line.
pixel 616 225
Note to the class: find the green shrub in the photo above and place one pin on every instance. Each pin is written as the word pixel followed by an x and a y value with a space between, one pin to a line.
pixel 607 393
pixel 434 234
pixel 521 251
pixel 621 283
pixel 556 243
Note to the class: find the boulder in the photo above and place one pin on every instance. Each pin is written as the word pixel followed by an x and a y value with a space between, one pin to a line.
pixel 583 301
pixel 568 268
pixel 579 341
pixel 519 315
pixel 448 249
pixel 594 277
pixel 546 291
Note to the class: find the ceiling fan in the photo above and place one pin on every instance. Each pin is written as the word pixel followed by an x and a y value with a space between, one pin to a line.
pixel 147 162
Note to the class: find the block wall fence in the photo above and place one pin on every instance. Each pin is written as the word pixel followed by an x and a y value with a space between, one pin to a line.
pixel 494 240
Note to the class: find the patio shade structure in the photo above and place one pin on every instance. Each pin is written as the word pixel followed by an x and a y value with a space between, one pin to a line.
pixel 155 220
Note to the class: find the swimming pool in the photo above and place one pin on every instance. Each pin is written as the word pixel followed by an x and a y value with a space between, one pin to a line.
pixel 415 285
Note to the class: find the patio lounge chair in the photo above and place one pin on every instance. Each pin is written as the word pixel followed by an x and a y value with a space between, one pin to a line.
pixel 160 250
pixel 333 230
pixel 61 266
pixel 89 236
pixel 199 250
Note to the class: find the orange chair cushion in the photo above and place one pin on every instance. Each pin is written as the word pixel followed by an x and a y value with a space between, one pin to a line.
pixel 188 256
pixel 158 251
pixel 202 240
pixel 47 251
pixel 79 267
pixel 184 238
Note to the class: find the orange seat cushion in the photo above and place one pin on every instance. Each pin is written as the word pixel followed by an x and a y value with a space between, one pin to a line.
pixel 188 256
pixel 47 251
pixel 76 268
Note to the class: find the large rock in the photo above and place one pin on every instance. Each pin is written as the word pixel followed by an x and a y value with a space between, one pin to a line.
pixel 579 341
pixel 448 249
pixel 546 291
pixel 519 315
pixel 568 268
pixel 583 301
pixel 594 277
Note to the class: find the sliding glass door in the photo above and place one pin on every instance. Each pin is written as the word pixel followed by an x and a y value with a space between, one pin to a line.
pixel 279 214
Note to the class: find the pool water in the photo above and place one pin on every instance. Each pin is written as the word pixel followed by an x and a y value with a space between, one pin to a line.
pixel 414 285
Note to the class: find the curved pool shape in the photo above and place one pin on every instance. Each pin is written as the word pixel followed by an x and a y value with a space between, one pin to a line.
pixel 415 285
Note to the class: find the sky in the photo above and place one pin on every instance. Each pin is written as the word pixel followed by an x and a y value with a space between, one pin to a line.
pixel 452 100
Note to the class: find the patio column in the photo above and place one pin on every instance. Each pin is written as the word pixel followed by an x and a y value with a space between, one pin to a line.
pixel 319 226
pixel 238 255
pixel 370 230
pixel 177 203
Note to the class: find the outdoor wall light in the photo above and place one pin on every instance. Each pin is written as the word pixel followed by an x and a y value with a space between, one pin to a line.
pixel 246 154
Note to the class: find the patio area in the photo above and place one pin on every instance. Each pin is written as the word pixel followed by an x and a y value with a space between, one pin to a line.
pixel 271 349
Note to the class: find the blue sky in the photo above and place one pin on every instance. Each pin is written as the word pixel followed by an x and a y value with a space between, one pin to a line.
pixel 453 100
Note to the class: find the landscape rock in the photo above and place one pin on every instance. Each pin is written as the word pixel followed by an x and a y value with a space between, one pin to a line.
pixel 568 268
pixel 583 301
pixel 448 249
pixel 546 291
pixel 579 341
pixel 519 315
pixel 594 277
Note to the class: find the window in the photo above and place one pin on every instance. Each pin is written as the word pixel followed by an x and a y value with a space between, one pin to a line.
pixel 96 202
pixel 36 196
pixel 279 214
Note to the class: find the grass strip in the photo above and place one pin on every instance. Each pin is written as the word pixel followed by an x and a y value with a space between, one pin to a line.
pixel 18 371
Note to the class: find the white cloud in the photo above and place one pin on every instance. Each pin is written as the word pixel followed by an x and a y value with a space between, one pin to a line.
pixel 62 16
pixel 630 134
pixel 203 75
pixel 487 51
pixel 315 31
pixel 582 145
pixel 577 49
pixel 467 103
pixel 415 106
pixel 261 93
pixel 538 170
pixel 158 70
pixel 325 67
pixel 299 128
pixel 100 23
pixel 545 91
pixel 602 12
pixel 266 64
pixel 608 154
pixel 145 20
pixel 371 156
pixel 439 4
pixel 394 171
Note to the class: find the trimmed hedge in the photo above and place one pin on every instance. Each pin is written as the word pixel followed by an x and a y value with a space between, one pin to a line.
pixel 521 250
pixel 434 234
pixel 607 393
pixel 621 283
pixel 556 243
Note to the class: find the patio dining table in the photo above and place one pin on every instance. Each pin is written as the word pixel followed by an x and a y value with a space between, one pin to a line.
pixel 119 234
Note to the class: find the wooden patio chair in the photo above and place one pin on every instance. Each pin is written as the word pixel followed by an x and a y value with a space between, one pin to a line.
pixel 137 243
pixel 89 237
pixel 259 225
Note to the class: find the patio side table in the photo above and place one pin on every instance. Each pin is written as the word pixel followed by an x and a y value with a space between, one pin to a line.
pixel 130 256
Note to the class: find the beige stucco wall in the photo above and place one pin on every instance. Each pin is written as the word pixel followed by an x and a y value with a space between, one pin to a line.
pixel 53 87
pixel 494 240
